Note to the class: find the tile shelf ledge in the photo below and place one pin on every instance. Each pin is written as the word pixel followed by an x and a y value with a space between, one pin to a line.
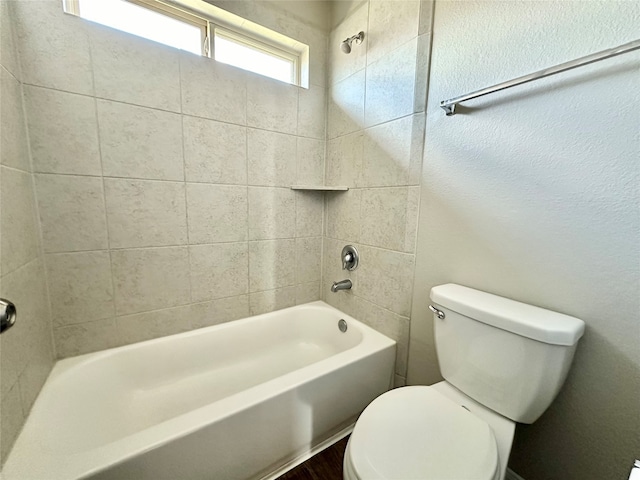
pixel 320 188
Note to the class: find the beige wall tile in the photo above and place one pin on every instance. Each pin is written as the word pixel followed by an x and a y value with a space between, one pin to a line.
pixel 219 311
pixel 72 213
pixel 213 90
pixel 344 300
pixel 413 214
pixel 391 23
pixel 271 104
pixel 150 278
pixel 343 215
pixel 265 302
pixel 18 220
pixel 307 292
pixel 214 152
pixel 309 214
pixel 312 109
pixel 41 360
pixel 43 28
pixel 346 106
pixel 399 381
pixel 389 217
pixel 386 279
pixel 426 16
pixel 63 131
pixel 271 265
pixel 308 259
pixel 135 70
pixel 393 326
pixel 393 152
pixel 12 419
pixel 140 142
pixel 423 61
pixel 158 323
pixel 8 49
pixel 86 337
pixel 341 65
pixel 391 85
pixel 143 213
pixel 310 161
pixel 80 286
pixel 218 271
pixel 28 342
pixel 319 56
pixel 272 158
pixel 217 213
pixel 272 213
pixel 13 134
pixel 344 160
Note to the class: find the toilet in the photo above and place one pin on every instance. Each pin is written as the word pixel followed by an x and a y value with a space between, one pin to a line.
pixel 502 362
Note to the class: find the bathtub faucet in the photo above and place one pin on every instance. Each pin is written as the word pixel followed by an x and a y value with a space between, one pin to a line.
pixel 341 285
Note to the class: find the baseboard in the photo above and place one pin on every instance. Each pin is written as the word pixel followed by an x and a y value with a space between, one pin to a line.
pixel 511 475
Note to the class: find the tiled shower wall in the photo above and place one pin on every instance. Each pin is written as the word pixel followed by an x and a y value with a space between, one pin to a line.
pixel 26 350
pixel 375 132
pixel 163 181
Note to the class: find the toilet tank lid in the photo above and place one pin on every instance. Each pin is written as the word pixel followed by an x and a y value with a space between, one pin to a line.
pixel 516 317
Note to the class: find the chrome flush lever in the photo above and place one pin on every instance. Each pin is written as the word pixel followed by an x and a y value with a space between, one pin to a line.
pixel 436 312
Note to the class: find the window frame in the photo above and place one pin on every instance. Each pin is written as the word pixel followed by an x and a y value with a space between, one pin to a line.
pixel 210 27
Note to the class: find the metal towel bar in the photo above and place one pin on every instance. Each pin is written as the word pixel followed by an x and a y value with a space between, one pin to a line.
pixel 449 106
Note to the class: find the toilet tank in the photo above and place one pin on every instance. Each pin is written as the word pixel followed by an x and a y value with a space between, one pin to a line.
pixel 509 356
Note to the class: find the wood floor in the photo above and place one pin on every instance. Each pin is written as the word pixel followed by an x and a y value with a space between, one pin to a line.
pixel 326 465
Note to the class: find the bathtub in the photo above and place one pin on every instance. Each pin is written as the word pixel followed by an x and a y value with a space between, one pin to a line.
pixel 242 400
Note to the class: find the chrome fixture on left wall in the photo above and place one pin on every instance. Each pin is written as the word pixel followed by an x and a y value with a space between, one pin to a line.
pixel 7 315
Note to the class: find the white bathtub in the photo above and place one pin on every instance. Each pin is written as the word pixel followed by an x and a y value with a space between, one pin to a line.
pixel 234 401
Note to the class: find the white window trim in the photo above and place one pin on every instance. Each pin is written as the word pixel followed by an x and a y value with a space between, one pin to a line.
pixel 211 19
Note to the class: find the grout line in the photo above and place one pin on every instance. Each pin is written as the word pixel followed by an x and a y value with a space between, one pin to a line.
pixel 246 164
pixel 152 247
pixel 372 246
pixel 104 192
pixel 34 195
pixel 184 183
pixel 172 111
pixel 9 72
pixel 287 187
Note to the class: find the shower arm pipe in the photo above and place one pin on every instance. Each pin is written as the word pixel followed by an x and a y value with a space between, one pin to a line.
pixel 449 106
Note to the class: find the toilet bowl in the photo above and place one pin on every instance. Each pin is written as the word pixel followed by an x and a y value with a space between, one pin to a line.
pixel 433 432
pixel 503 362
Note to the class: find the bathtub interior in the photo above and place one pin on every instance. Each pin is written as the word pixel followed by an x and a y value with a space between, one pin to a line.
pixel 104 404
pixel 133 388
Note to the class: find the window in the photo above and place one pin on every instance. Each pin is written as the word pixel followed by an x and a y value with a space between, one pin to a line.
pixel 155 22
pixel 239 43
pixel 250 55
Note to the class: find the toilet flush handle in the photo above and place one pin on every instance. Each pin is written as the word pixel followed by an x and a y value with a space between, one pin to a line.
pixel 438 313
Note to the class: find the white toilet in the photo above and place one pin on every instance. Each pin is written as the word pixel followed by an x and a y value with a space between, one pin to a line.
pixel 503 362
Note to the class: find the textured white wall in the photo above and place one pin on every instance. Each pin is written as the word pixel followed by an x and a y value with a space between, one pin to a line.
pixel 533 194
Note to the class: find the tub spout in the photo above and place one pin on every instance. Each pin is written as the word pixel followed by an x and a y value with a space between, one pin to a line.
pixel 341 285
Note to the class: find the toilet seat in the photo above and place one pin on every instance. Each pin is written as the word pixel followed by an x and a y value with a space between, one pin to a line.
pixel 418 433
